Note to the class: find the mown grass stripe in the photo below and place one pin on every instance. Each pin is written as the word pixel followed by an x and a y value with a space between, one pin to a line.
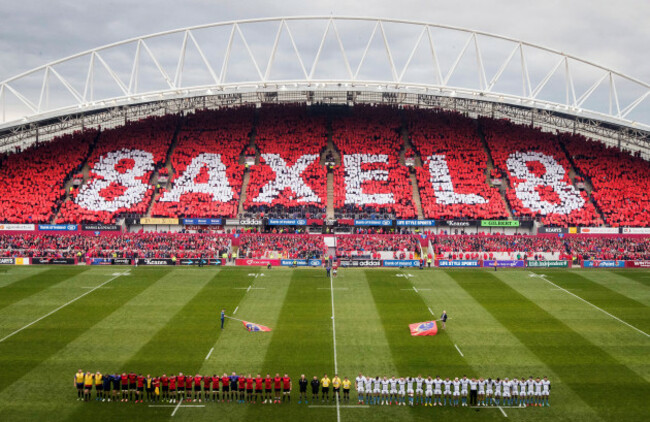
pixel 623 307
pixel 639 276
pixel 27 349
pixel 610 388
pixel 33 284
pixel 10 275
pixel 301 343
pixel 620 283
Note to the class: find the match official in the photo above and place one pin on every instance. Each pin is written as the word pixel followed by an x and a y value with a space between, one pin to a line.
pixel 443 319
pixel 223 317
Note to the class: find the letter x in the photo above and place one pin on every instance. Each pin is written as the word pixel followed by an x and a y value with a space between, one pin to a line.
pixel 287 177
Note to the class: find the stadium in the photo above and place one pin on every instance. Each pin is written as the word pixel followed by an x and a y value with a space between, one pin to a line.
pixel 299 196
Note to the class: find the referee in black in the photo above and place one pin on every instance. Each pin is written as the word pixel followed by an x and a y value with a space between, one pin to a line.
pixel 443 318
pixel 302 383
pixel 315 387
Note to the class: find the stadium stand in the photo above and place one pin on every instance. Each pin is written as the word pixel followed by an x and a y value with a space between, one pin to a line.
pixel 378 246
pixel 207 177
pixel 289 181
pixel 453 178
pixel 121 166
pixel 32 181
pixel 621 181
pixel 370 179
pixel 538 172
pixel 281 246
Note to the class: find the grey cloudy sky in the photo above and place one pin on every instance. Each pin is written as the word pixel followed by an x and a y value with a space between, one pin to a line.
pixel 614 34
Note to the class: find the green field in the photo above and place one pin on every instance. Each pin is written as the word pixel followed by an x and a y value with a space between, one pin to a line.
pixel 593 347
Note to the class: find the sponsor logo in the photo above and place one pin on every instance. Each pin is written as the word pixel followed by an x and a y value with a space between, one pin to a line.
pixel 499 223
pixel 54 261
pixel 7 261
pixel 248 222
pixel 101 261
pixel 122 261
pixel 416 223
pixel 453 223
pixel 17 227
pixel 100 227
pixel 459 263
pixel 603 264
pixel 155 261
pixel 301 262
pixel 547 264
pixel 636 230
pixel 384 223
pixel 203 221
pixel 401 263
pixel 57 227
pixel 255 262
pixel 553 230
pixel 599 230
pixel 149 220
pixel 638 264
pixel 360 263
pixel 287 222
pixel 504 263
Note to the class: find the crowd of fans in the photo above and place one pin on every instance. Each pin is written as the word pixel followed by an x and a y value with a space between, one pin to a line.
pixel 402 246
pixel 207 175
pixel 289 178
pixel 453 177
pixel 297 246
pixel 121 166
pixel 32 181
pixel 371 179
pixel 621 181
pixel 125 245
pixel 538 172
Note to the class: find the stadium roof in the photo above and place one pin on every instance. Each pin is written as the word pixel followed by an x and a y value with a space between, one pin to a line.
pixel 335 59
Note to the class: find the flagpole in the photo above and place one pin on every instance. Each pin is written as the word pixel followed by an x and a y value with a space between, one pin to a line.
pixel 236 319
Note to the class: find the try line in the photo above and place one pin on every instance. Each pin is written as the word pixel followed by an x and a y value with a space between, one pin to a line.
pixel 63 306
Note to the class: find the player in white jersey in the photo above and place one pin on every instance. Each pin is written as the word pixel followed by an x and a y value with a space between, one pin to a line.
pixel 464 382
pixel 538 392
pixel 409 389
pixel 514 386
pixel 384 391
pixel 530 387
pixel 376 391
pixel 359 385
pixel 546 391
pixel 506 384
pixel 419 392
pixel 456 393
pixel 429 390
pixel 481 392
pixel 497 391
pixel 522 392
pixel 437 391
pixel 401 383
pixel 393 390
pixel 489 391
pixel 447 393
pixel 368 389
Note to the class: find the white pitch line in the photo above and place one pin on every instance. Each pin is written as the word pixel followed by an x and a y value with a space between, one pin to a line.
pixel 503 411
pixel 461 353
pixel 235 311
pixel 600 309
pixel 60 307
pixel 320 406
pixel 172 405
pixel 430 311
pixel 209 353
pixel 180 402
pixel 416 290
pixel 336 365
pixel 329 288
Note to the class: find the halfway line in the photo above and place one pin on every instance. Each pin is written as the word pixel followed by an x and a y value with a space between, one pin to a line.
pixel 461 353
pixel 600 309
pixel 61 307
pixel 336 365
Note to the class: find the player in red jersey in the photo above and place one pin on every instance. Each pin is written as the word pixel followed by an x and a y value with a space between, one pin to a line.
pixel 124 379
pixel 197 387
pixel 242 389
pixel 286 388
pixel 132 384
pixel 140 391
pixel 164 382
pixel 172 389
pixel 268 383
pixel 181 386
pixel 215 387
pixel 207 382
pixel 259 382
pixel 188 387
pixel 249 387
pixel 225 387
pixel 277 388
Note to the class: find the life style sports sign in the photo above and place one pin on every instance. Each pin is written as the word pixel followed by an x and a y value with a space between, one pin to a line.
pixel 458 263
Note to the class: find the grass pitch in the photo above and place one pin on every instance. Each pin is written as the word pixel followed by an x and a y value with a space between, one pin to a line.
pixel 154 320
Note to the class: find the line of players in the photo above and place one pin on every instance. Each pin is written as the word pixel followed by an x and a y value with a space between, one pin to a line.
pixel 438 392
pixel 174 388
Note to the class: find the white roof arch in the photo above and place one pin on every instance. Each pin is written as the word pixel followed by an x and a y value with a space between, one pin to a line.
pixel 324 53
